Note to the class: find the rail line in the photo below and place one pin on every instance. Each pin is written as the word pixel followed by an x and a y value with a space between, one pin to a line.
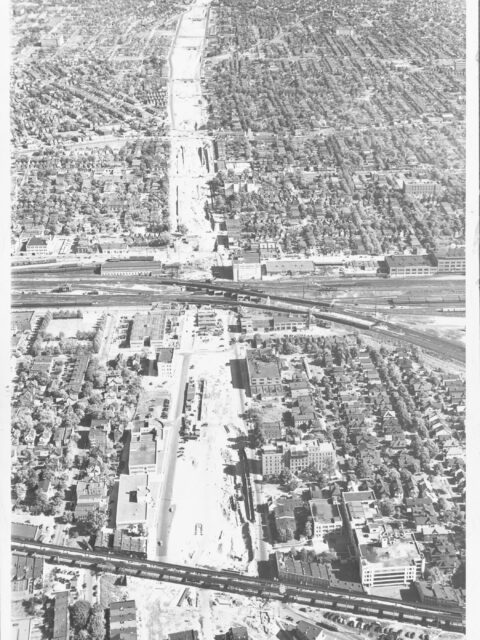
pixel 234 582
pixel 323 310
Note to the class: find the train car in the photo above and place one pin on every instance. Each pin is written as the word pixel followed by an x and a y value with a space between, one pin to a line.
pixel 327 626
pixel 390 614
pixel 412 617
pixel 361 608
pixel 320 603
pixel 453 625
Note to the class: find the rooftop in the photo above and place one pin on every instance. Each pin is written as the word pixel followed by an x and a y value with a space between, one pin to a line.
pixel 396 262
pixel 21 629
pixel 286 265
pixel 189 634
pixel 309 631
pixel 37 242
pixel 324 512
pixel 165 355
pixel 263 364
pixel 451 253
pixel 249 257
pixel 133 493
pixel 399 551
pixel 358 496
pixel 23 530
pixel 142 450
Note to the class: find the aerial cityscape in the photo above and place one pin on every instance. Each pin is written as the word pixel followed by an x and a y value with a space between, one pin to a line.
pixel 238 320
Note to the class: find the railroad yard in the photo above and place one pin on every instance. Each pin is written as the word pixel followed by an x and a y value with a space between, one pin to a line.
pixel 238 339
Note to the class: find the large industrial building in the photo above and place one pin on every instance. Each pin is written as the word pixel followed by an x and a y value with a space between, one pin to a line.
pixel 403 266
pixel 386 553
pixel 131 268
pixel 247 266
pixel 133 500
pixel 142 452
pixel 451 261
pixel 156 329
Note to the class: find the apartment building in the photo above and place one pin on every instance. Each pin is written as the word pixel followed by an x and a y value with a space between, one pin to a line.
pixel 420 187
pixel 264 372
pixel 273 460
pixel 319 454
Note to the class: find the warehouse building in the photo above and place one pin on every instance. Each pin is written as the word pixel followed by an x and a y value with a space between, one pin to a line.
pixel 451 261
pixel 133 500
pixel 386 553
pixel 405 266
pixel 142 452
pixel 131 268
pixel 247 266
pixel 155 329
pixel 289 267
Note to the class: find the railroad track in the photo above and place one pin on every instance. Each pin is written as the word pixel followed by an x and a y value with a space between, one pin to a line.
pixel 235 582
pixel 318 309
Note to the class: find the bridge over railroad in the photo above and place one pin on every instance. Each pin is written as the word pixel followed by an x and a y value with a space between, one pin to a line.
pixel 234 582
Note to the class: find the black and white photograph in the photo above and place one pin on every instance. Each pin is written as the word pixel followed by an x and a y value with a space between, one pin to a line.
pixel 240 383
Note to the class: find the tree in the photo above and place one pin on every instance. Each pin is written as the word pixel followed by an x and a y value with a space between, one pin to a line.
pixel 288 480
pixel 362 470
pixel 387 508
pixel 308 528
pixel 92 523
pixel 289 348
pixel 325 557
pixel 96 624
pixel 394 474
pixel 442 504
pixel 80 614
pixel 253 415
pixel 257 437
pixel 342 435
pixel 30 606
